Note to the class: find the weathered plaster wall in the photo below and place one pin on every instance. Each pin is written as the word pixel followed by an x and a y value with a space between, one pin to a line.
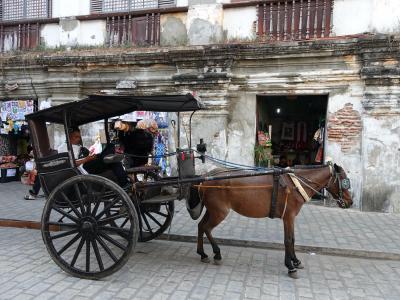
pixel 73 8
pixel 358 16
pixel 173 30
pixel 50 35
pixel 70 30
pixel 241 128
pixel 204 24
pixel 239 23
pixel 344 136
pixel 92 33
pixel 381 163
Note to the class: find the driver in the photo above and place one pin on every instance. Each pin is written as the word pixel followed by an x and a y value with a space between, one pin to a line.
pixel 92 163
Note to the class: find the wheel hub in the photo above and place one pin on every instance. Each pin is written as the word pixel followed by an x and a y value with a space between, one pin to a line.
pixel 89 226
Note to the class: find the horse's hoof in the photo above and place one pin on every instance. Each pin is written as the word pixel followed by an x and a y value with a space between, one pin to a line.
pixel 293 274
pixel 205 260
pixel 217 262
pixel 299 266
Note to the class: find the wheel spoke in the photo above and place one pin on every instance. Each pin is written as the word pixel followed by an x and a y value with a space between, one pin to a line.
pixel 77 252
pixel 78 193
pixel 112 241
pixel 64 234
pixel 71 205
pixel 111 218
pixel 89 198
pixel 98 256
pixel 62 224
pixel 161 214
pixel 66 214
pixel 124 223
pixel 69 244
pixel 87 255
pixel 107 208
pixel 120 231
pixel 96 207
pixel 107 249
pixel 147 222
pixel 154 219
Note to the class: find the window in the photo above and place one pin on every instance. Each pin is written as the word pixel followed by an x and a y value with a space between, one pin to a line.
pixel 108 6
pixel 11 10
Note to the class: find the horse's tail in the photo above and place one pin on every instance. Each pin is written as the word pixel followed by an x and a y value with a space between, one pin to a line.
pixel 194 203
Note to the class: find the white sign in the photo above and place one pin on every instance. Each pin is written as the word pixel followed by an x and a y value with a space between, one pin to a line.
pixel 11 172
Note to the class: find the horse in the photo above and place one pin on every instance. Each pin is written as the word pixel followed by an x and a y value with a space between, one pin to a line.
pixel 252 197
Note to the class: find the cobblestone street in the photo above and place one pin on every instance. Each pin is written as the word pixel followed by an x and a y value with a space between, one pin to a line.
pixel 172 270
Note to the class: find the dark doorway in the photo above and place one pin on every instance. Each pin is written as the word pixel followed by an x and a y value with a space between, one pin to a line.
pixel 297 124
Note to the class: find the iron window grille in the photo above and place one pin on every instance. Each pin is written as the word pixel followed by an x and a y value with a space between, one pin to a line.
pixel 110 6
pixel 12 10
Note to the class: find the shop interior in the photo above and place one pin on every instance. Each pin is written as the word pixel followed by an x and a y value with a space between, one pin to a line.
pixel 290 130
pixel 14 137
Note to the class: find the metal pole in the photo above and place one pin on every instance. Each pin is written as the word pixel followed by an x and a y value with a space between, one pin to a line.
pixel 68 141
pixel 212 178
pixel 179 132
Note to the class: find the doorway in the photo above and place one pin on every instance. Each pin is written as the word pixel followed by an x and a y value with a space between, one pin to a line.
pixel 294 128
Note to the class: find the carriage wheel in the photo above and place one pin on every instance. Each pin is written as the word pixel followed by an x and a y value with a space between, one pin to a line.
pixel 154 219
pixel 83 232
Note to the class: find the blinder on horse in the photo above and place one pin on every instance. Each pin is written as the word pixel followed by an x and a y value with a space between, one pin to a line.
pixel 343 185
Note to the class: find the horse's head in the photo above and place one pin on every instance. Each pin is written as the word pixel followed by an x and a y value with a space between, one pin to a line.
pixel 339 185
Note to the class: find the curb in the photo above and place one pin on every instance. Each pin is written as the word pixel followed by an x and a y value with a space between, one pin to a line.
pixel 278 246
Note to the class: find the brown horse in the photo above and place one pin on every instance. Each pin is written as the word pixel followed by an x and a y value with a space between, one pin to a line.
pixel 251 197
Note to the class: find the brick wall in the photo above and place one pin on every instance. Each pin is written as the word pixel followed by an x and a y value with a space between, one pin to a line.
pixel 344 127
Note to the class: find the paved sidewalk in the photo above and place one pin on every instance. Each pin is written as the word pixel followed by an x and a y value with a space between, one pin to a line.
pixel 318 229
pixel 172 270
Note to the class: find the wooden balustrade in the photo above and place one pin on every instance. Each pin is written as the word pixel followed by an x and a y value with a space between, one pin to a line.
pixel 132 30
pixel 294 19
pixel 19 37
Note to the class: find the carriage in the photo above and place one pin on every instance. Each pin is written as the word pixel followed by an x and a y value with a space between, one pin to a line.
pixel 90 225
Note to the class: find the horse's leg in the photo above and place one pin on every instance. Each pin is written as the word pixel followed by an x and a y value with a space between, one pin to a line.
pixel 212 222
pixel 288 224
pixel 200 242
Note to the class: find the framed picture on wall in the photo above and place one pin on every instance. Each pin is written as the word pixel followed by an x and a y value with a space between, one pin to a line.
pixel 287 131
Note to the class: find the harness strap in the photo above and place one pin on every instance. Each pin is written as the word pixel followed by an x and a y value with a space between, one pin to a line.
pixel 277 174
pixel 299 187
pixel 284 208
pixel 230 187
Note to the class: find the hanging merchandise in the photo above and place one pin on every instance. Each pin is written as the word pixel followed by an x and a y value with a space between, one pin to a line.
pixel 319 138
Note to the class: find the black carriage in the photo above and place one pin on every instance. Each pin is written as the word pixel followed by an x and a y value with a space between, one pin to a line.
pixel 90 224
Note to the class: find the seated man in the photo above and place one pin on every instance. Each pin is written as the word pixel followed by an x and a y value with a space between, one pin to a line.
pixel 93 163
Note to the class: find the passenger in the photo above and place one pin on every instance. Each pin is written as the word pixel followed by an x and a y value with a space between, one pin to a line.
pixel 93 163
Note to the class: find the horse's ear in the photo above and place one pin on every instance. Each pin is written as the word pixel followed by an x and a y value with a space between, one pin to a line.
pixel 337 168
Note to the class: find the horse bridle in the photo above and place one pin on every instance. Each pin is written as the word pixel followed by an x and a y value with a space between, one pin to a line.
pixel 344 184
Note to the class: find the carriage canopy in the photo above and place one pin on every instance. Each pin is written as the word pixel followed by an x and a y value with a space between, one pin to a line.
pixel 98 107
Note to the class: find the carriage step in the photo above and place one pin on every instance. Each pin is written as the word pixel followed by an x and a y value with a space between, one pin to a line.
pixel 160 199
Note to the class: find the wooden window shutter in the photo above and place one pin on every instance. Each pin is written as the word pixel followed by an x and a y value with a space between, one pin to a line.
pixel 166 3
pixel 96 6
